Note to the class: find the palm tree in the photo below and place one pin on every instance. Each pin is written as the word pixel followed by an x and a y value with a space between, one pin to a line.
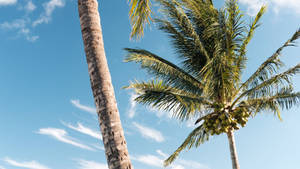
pixel 211 46
pixel 112 132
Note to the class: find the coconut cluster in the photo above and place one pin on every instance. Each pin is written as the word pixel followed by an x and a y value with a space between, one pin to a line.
pixel 226 120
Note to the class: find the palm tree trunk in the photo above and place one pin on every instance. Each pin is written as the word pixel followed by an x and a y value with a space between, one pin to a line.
pixel 233 153
pixel 113 137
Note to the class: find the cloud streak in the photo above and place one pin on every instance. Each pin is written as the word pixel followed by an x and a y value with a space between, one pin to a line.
pixel 20 25
pixel 88 109
pixel 29 7
pixel 149 133
pixel 132 109
pixel 84 130
pixel 62 135
pixel 29 164
pixel 277 6
pixel 49 7
pixel 149 160
pixel 7 2
pixel 157 161
pixel 84 164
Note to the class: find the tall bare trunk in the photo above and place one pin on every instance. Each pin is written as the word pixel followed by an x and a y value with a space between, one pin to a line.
pixel 233 153
pixel 113 137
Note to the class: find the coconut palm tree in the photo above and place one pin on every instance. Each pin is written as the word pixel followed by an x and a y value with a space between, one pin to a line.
pixel 112 132
pixel 206 84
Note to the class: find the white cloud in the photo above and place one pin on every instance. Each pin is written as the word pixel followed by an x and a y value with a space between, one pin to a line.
pixel 85 130
pixel 7 2
pixel 16 24
pixel 191 164
pixel 29 7
pixel 1 167
pixel 149 160
pixel 164 155
pixel 160 113
pixel 29 164
pixel 132 109
pixel 157 161
pixel 149 132
pixel 89 109
pixel 84 164
pixel 49 7
pixel 181 163
pixel 98 147
pixel 62 135
pixel 20 25
pixel 253 6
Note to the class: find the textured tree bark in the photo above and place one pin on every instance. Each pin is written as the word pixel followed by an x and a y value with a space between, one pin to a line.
pixel 112 132
pixel 233 153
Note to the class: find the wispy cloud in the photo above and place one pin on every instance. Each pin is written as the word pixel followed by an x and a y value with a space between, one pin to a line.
pixel 157 161
pixel 149 132
pixel 276 5
pixel 84 164
pixel 7 2
pixel 20 25
pixel 16 24
pixel 83 129
pixel 49 7
pixel 24 25
pixel 98 147
pixel 149 160
pixel 30 6
pixel 1 167
pixel 28 164
pixel 89 109
pixel 132 108
pixel 62 135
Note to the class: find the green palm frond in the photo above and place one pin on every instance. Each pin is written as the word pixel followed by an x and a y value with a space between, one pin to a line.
pixel 271 65
pixel 140 16
pixel 267 87
pixel 285 98
pixel 219 76
pixel 235 27
pixel 211 46
pixel 164 69
pixel 165 97
pixel 193 58
pixel 194 139
pixel 241 58
pixel 186 38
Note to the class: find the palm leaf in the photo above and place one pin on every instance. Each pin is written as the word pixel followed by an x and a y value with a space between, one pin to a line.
pixel 140 15
pixel 164 97
pixel 241 58
pixel 164 69
pixel 194 139
pixel 266 88
pixel 271 65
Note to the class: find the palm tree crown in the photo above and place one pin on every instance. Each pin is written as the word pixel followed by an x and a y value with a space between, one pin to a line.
pixel 211 46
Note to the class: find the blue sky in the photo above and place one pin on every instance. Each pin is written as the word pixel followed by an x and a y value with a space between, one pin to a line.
pixel 48 118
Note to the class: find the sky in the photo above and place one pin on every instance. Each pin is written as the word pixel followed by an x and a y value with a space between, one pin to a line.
pixel 48 118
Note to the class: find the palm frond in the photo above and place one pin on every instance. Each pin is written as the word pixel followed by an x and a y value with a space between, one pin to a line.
pixel 140 16
pixel 193 58
pixel 235 27
pixel 241 58
pixel 267 87
pixel 165 97
pixel 194 139
pixel 179 22
pixel 164 69
pixel 283 99
pixel 271 65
